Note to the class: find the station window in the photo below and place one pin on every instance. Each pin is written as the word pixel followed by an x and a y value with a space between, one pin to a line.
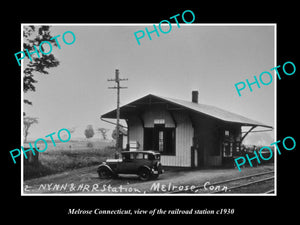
pixel 227 149
pixel 160 139
pixel 132 156
pixel 139 156
pixel 227 133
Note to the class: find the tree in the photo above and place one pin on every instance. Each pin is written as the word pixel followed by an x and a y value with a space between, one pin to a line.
pixel 28 121
pixel 89 133
pixel 34 36
pixel 103 132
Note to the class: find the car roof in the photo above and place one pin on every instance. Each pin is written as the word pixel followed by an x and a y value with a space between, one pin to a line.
pixel 148 152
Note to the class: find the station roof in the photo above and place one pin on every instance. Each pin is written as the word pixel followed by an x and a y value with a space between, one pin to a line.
pixel 208 110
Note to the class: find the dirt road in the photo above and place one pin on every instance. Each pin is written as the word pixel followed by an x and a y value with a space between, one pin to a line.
pixel 85 181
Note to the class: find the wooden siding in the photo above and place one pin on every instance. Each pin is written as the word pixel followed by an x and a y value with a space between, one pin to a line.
pixel 157 112
pixel 213 160
pixel 184 141
pixel 207 130
pixel 136 130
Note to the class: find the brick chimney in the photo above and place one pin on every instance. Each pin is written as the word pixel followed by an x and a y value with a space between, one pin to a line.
pixel 195 95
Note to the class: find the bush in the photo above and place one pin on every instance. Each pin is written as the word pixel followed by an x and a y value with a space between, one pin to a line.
pixel 57 161
pixel 90 144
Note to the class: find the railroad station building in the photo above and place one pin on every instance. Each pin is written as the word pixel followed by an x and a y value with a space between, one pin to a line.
pixel 186 133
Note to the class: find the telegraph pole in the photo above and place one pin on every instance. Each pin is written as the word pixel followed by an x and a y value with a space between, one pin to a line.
pixel 118 87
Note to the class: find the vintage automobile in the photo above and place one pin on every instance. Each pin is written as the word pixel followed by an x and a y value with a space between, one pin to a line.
pixel 146 164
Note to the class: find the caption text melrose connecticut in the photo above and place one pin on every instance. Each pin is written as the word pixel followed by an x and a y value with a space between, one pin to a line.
pixel 152 212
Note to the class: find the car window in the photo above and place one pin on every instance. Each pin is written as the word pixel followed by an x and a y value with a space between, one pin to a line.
pixel 156 156
pixel 132 156
pixel 139 156
pixel 125 156
pixel 146 156
pixel 150 157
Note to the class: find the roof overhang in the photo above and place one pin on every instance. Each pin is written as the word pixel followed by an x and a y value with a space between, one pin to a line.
pixel 144 103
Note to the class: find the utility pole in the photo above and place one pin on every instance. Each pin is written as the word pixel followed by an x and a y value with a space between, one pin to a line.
pixel 118 87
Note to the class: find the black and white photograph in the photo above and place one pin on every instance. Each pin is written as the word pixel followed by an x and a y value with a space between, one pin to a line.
pixel 180 113
pixel 139 113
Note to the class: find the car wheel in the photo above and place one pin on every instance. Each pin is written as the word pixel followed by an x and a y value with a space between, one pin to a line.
pixel 104 173
pixel 144 174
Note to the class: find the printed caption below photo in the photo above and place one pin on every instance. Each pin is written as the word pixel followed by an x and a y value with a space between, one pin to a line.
pixel 152 212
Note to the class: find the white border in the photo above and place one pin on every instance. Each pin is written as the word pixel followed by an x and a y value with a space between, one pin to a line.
pixel 275 107
pixel 22 124
pixel 151 24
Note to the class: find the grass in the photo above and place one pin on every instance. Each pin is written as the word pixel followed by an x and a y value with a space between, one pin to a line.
pixel 63 158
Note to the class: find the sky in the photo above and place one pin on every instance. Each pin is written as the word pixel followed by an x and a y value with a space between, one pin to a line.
pixel 210 59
